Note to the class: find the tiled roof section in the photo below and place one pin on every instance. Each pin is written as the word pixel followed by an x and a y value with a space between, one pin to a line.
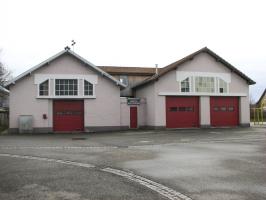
pixel 175 65
pixel 118 70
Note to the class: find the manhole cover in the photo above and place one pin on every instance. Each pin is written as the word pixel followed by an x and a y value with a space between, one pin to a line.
pixel 79 138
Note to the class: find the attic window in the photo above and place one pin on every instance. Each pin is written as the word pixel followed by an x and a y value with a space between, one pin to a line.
pixel 185 85
pixel 66 87
pixel 204 84
pixel 44 88
pixel 88 88
pixel 123 79
pixel 222 86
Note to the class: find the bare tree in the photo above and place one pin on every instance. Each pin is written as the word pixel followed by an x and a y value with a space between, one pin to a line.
pixel 5 74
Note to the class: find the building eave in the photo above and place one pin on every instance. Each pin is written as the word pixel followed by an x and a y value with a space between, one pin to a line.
pixel 66 51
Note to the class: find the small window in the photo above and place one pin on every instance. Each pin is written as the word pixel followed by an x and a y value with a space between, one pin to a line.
pixel 216 108
pixel 123 79
pixel 222 86
pixel 231 108
pixel 190 109
pixel 173 109
pixel 223 108
pixel 88 88
pixel 185 85
pixel 44 88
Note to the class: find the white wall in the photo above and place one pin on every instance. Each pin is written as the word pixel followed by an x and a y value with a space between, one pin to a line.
pixel 204 103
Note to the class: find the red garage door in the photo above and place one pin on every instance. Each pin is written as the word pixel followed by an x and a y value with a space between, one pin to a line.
pixel 68 115
pixel 224 111
pixel 182 112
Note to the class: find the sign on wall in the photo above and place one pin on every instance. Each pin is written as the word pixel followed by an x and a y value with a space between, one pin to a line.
pixel 133 101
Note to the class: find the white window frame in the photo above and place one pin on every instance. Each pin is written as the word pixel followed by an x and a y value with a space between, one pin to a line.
pixel 206 77
pixel 66 96
pixel 218 88
pixel 38 89
pixel 93 89
pixel 189 82
pixel 39 78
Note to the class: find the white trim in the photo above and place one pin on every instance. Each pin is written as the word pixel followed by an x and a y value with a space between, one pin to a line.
pixel 181 75
pixel 200 94
pixel 66 97
pixel 39 78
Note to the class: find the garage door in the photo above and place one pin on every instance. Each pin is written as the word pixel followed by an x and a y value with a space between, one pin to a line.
pixel 68 115
pixel 224 111
pixel 182 112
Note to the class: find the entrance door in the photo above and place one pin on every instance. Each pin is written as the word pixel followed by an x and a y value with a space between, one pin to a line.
pixel 182 112
pixel 133 117
pixel 224 111
pixel 68 115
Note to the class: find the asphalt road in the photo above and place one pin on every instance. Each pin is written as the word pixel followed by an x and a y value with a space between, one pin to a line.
pixel 203 164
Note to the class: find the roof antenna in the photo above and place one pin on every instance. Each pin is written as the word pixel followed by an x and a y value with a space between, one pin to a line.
pixel 72 44
pixel 156 68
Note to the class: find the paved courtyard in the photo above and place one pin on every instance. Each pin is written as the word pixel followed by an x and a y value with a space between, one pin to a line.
pixel 198 164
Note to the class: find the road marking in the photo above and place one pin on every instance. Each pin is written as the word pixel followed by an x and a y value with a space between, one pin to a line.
pixel 56 147
pixel 157 187
pixel 49 160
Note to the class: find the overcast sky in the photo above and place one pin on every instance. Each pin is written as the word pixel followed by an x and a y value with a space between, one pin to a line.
pixel 136 32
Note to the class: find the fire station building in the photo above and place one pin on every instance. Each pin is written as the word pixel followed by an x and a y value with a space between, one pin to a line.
pixel 67 93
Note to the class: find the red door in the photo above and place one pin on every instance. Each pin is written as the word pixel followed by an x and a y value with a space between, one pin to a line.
pixel 224 111
pixel 133 117
pixel 68 115
pixel 182 112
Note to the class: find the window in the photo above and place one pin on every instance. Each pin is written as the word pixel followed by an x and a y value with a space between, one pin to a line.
pixel 123 79
pixel 173 109
pixel 204 84
pixel 88 88
pixel 222 86
pixel 185 85
pixel 44 88
pixel 231 108
pixel 223 108
pixel 66 87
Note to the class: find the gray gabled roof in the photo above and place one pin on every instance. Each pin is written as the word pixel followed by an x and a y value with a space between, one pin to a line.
pixel 72 53
pixel 176 64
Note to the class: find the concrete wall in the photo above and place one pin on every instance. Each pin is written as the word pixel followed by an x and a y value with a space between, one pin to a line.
pixel 156 113
pixel 99 112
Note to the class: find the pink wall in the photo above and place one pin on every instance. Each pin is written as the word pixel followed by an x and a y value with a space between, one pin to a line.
pixel 168 83
pixel 125 112
pixel 102 111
